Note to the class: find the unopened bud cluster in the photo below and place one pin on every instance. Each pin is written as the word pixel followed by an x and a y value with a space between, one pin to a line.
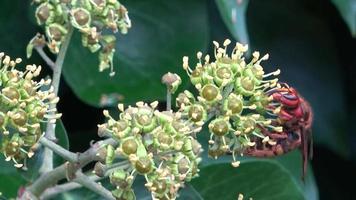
pixel 23 107
pixel 234 94
pixel 90 17
pixel 158 146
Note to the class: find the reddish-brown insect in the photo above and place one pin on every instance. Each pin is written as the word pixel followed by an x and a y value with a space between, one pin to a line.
pixel 295 117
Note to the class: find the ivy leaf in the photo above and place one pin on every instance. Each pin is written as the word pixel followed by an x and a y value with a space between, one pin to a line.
pixel 292 162
pixel 258 179
pixel 153 46
pixel 347 9
pixel 233 12
pixel 11 180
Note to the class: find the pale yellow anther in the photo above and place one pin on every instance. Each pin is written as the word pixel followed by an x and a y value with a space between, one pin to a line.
pixel 266 139
pixel 37 71
pixel 207 59
pixel 18 60
pixel 6 61
pixel 18 165
pixel 216 44
pixel 277 110
pixel 278 129
pixel 272 142
pixel 237 132
pixel 240 197
pixel 265 57
pixel 256 55
pixel 236 164
pixel 251 144
pixel 277 72
pixel 121 107
pixel 106 113
pixel 199 55
pixel 211 142
pixel 12 63
pixel 140 104
pixel 30 154
pixel 252 107
pixel 226 42
pixel 267 122
pixel 154 104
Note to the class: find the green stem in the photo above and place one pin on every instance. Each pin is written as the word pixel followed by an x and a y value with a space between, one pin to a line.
pixel 50 131
pixel 169 100
pixel 64 153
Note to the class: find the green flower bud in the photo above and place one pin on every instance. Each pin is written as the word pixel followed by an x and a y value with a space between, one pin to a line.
pixel 233 104
pixel 144 165
pixel 210 93
pixel 56 32
pixel 197 113
pixel 44 13
pixel 119 179
pixel 245 86
pixel 172 81
pixel 223 76
pixel 219 127
pixel 81 18
pixel 144 119
pixel 129 146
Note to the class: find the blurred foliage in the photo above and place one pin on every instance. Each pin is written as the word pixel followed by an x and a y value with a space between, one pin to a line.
pixel 347 9
pixel 298 39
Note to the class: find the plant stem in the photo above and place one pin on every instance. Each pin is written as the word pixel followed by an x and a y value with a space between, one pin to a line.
pixel 93 186
pixel 50 131
pixel 169 100
pixel 51 178
pixel 55 190
pixel 64 153
pixel 44 56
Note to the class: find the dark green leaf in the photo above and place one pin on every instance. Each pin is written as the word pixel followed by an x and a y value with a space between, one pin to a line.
pixel 347 9
pixel 254 179
pixel 233 12
pixel 11 180
pixel 62 137
pixel 162 33
pixel 291 161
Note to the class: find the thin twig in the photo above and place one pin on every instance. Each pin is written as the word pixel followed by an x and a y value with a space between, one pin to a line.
pixel 50 131
pixel 169 100
pixel 44 56
pixel 55 190
pixel 51 178
pixel 64 153
pixel 93 186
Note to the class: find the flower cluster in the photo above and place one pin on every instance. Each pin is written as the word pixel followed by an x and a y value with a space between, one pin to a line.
pixel 23 107
pixel 158 146
pixel 90 17
pixel 234 94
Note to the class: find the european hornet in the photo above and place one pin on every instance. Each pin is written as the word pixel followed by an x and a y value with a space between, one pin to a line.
pixel 295 116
